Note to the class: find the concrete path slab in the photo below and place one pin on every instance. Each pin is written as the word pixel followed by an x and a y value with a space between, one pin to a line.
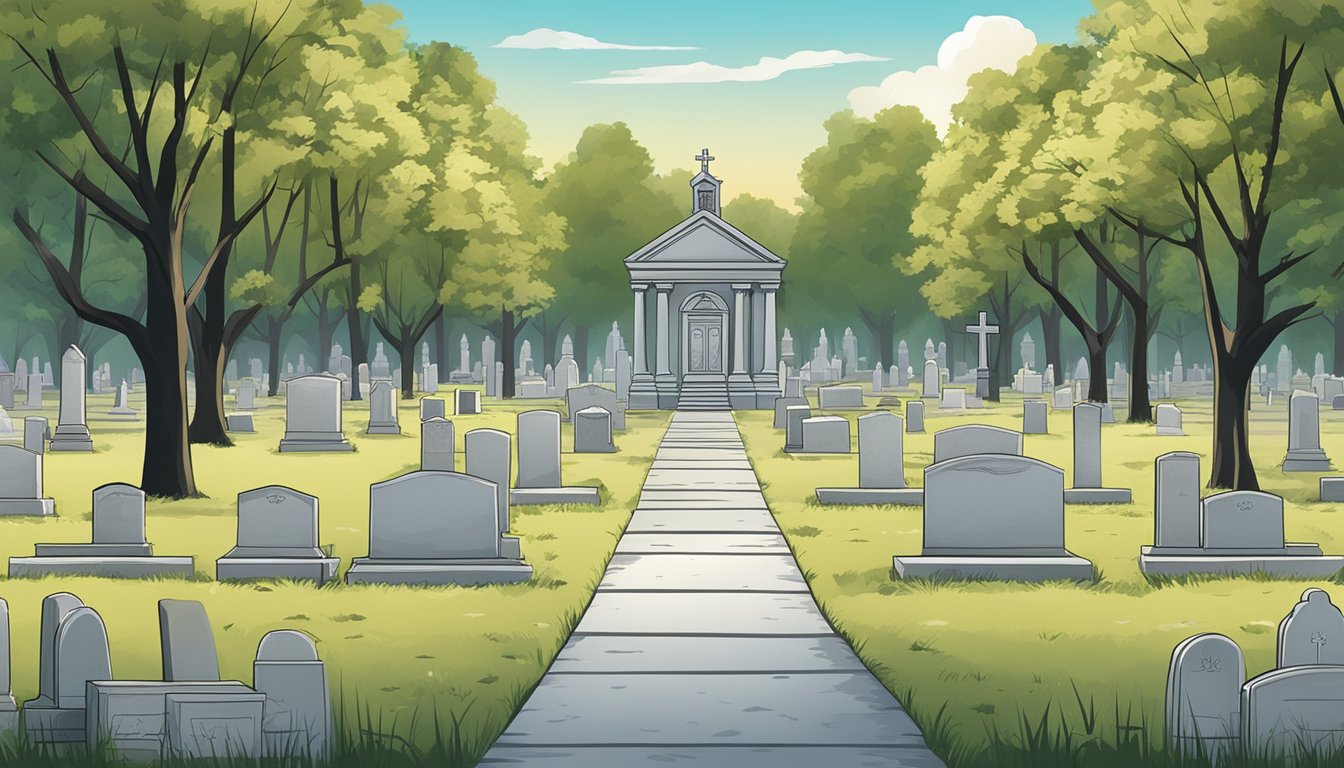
pixel 702 645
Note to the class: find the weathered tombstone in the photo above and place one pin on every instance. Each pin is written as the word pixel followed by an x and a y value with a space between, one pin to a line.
pixel 781 409
pixel 932 379
pixel 72 430
pixel 1035 418
pixel 437 528
pixel 1304 435
pixel 878 375
pixel 21 375
pixel 793 426
pixel 589 395
pixel 881 466
pixel 623 376
pixel 1020 537
pixel 121 406
pixel 1087 488
pixel 1337 403
pixel 466 402
pixel 7 390
pixel 490 457
pixel 277 539
pixel 847 396
pixel 1312 632
pixel 974 440
pixel 73 651
pixel 313 416
pixel 437 452
pixel 825 434
pixel 383 418
pixel 244 395
pixel 592 430
pixel 1203 707
pixel 1168 420
pixel 538 479
pixel 1176 503
pixel 119 549
pixel 9 711
pixel 35 434
pixel 298 707
pixel 953 399
pixel 187 642
pixel 21 482
pixel 914 417
pixel 1287 712
pixel 1242 520
pixel 431 408
pixel 213 726
pixel 239 422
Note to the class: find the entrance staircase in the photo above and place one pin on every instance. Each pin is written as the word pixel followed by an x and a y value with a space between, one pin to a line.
pixel 703 393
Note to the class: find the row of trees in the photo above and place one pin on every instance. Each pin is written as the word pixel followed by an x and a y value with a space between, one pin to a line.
pixel 193 179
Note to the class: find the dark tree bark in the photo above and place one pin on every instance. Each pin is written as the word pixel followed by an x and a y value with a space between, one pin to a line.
pixel 1337 326
pixel 581 350
pixel 882 331
pixel 441 335
pixel 1050 339
pixel 507 334
pixel 359 343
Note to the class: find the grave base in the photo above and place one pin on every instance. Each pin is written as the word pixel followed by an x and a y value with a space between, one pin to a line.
pixel 319 570
pixel 289 445
pixel 1170 432
pixel 904 496
pixel 1098 496
pixel 1050 568
pixel 108 567
pixel 565 495
pixel 367 570
pixel 1292 560
pixel 1306 461
pixel 382 429
pixel 28 507
pixel 71 437
pixel 609 448
pixel 46 724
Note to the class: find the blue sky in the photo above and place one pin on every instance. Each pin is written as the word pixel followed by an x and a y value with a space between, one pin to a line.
pixel 760 131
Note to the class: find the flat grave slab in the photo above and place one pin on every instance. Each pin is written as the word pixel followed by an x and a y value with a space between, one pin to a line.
pixel 859 496
pixel 570 494
pixel 114 567
pixel 1067 567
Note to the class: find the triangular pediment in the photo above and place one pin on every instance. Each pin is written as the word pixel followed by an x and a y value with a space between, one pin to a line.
pixel 704 237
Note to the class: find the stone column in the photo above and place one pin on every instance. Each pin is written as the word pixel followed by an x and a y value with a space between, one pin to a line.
pixel 740 328
pixel 641 360
pixel 664 329
pixel 72 431
pixel 770 363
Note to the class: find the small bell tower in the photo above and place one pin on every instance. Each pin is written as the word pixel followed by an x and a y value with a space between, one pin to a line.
pixel 704 187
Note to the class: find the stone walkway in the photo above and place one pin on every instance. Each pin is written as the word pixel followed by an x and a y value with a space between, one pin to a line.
pixel 703 645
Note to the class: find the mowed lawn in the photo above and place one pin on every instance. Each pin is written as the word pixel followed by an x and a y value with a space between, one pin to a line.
pixel 404 655
pixel 994 652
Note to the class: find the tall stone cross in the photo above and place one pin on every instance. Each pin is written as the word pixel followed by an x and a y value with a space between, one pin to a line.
pixel 704 158
pixel 983 330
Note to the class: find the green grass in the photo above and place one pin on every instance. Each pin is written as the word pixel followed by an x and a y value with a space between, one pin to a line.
pixel 998 673
pixel 434 672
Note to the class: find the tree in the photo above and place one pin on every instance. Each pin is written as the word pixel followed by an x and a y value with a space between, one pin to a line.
pixel 607 193
pixel 1221 82
pixel 856 226
pixel 103 95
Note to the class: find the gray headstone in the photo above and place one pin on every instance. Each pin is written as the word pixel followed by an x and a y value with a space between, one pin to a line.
pixel 9 713
pixel 7 391
pixel 590 395
pixel 72 431
pixel 1086 445
pixel 1312 632
pixel 914 416
pixel 81 654
pixel 298 706
pixel 1026 518
pixel 244 395
pixel 881 451
pixel 431 407
pixel 793 425
pixel 490 457
pixel 973 440
pixel 1304 435
pixel 592 430
pixel 187 641
pixel 1169 420
pixel 20 473
pixel 1203 710
pixel 216 726
pixel 466 402
pixel 383 418
pixel 781 409
pixel 1176 506
pixel 1035 417
pixel 826 434
pixel 433 516
pixel 437 451
pixel 847 396
pixel 1242 520
pixel 275 521
pixel 1285 709
pixel 539 449
pixel 118 514
pixel 932 379
pixel 313 414
pixel 35 434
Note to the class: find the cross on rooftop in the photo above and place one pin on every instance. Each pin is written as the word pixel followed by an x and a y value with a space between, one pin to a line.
pixel 983 330
pixel 704 158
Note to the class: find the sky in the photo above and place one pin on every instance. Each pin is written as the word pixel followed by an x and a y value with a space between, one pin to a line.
pixel 752 81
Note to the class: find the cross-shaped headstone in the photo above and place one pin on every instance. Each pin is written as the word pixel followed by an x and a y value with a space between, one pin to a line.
pixel 704 158
pixel 983 330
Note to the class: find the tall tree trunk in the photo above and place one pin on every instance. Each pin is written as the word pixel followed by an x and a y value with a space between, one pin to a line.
pixel 441 330
pixel 882 331
pixel 1231 465
pixel 274 333
pixel 359 343
pixel 1140 409
pixel 507 334
pixel 1337 324
pixel 581 350
pixel 406 350
pixel 1050 339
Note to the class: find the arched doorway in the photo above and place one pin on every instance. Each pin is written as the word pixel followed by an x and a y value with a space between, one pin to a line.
pixel 704 337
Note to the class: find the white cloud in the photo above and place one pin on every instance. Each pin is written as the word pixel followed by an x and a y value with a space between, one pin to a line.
pixel 768 68
pixel 987 42
pixel 573 41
